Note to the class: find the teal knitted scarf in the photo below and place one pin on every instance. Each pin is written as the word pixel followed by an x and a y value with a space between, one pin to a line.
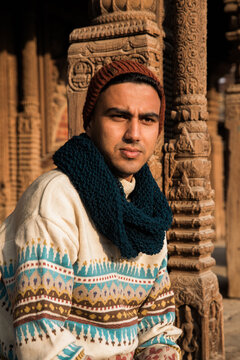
pixel 135 226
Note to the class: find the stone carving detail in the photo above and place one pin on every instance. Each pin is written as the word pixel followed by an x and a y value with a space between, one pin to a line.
pixel 116 10
pixel 80 74
pixel 191 333
pixel 113 30
pixel 187 186
pixel 214 328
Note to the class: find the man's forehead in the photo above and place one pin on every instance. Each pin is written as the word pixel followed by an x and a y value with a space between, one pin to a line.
pixel 128 97
pixel 126 85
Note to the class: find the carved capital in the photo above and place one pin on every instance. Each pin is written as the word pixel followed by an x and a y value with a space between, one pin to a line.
pixel 143 48
pixel 106 11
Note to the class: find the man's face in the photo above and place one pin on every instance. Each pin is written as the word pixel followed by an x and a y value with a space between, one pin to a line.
pixel 125 126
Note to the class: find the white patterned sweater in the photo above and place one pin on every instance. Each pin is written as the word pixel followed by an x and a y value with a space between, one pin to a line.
pixel 65 291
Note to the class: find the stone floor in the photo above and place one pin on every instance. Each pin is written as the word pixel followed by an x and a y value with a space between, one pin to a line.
pixel 231 306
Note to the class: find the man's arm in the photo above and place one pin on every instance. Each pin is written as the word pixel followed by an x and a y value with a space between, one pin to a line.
pixel 43 292
pixel 156 331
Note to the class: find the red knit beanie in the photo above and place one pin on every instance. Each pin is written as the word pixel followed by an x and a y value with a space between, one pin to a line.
pixel 109 72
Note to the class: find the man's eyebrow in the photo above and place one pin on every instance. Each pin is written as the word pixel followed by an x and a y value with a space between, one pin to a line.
pixel 149 114
pixel 118 111
pixel 128 113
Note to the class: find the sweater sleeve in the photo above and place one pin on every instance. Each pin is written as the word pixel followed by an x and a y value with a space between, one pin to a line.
pixel 156 331
pixel 43 292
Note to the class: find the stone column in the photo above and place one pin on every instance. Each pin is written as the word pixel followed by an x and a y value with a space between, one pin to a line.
pixel 187 187
pixel 29 118
pixel 5 193
pixel 12 115
pixel 215 101
pixel 232 8
pixel 120 29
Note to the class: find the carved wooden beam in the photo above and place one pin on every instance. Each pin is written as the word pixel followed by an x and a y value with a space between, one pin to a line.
pixel 188 189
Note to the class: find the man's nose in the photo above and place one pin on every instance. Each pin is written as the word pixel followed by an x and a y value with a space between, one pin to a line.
pixel 133 130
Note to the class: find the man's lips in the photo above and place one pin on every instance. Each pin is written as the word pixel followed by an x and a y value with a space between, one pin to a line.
pixel 130 153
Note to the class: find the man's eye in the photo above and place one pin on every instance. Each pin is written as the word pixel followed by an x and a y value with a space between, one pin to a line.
pixel 119 117
pixel 149 120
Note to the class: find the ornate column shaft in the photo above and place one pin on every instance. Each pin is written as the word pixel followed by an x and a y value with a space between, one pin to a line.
pixel 187 186
pixel 232 8
pixel 121 29
pixel 29 118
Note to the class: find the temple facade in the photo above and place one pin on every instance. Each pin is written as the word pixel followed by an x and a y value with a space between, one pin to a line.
pixel 48 54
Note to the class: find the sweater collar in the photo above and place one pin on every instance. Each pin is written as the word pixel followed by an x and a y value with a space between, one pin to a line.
pixel 128 186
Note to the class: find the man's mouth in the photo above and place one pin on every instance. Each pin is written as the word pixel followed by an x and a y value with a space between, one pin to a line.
pixel 130 153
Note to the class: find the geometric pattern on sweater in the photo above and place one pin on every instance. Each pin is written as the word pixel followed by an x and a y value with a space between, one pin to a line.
pixel 100 301
pixel 50 257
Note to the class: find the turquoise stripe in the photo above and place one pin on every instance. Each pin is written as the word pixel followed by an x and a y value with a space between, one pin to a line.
pixel 69 352
pixel 45 253
pixel 38 327
pixel 97 332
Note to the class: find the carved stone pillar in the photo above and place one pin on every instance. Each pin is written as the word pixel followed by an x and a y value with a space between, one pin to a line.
pixel 121 29
pixel 232 8
pixel 4 150
pixel 188 189
pixel 29 118
pixel 215 101
pixel 12 117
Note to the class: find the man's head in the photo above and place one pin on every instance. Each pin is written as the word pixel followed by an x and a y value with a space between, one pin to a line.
pixel 123 115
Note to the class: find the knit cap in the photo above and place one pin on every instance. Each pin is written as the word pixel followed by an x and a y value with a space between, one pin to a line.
pixel 111 71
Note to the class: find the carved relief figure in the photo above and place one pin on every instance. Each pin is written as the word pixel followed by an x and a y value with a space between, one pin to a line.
pixel 190 336
pixel 214 326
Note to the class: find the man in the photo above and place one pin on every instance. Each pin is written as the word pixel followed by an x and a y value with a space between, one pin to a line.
pixel 84 255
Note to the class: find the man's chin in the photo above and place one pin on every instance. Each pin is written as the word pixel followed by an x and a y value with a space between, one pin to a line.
pixel 125 172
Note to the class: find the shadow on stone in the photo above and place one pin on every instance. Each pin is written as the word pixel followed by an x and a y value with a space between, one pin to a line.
pixel 219 254
pixel 223 285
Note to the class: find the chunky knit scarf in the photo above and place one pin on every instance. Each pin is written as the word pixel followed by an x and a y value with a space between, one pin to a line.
pixel 133 226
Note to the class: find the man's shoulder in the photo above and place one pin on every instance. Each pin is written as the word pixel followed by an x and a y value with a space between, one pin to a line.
pixel 45 195
pixel 50 184
pixel 47 179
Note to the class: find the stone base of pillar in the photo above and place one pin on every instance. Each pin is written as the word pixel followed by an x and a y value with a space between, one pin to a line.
pixel 199 314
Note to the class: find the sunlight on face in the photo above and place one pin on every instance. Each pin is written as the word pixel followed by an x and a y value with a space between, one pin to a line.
pixel 125 126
